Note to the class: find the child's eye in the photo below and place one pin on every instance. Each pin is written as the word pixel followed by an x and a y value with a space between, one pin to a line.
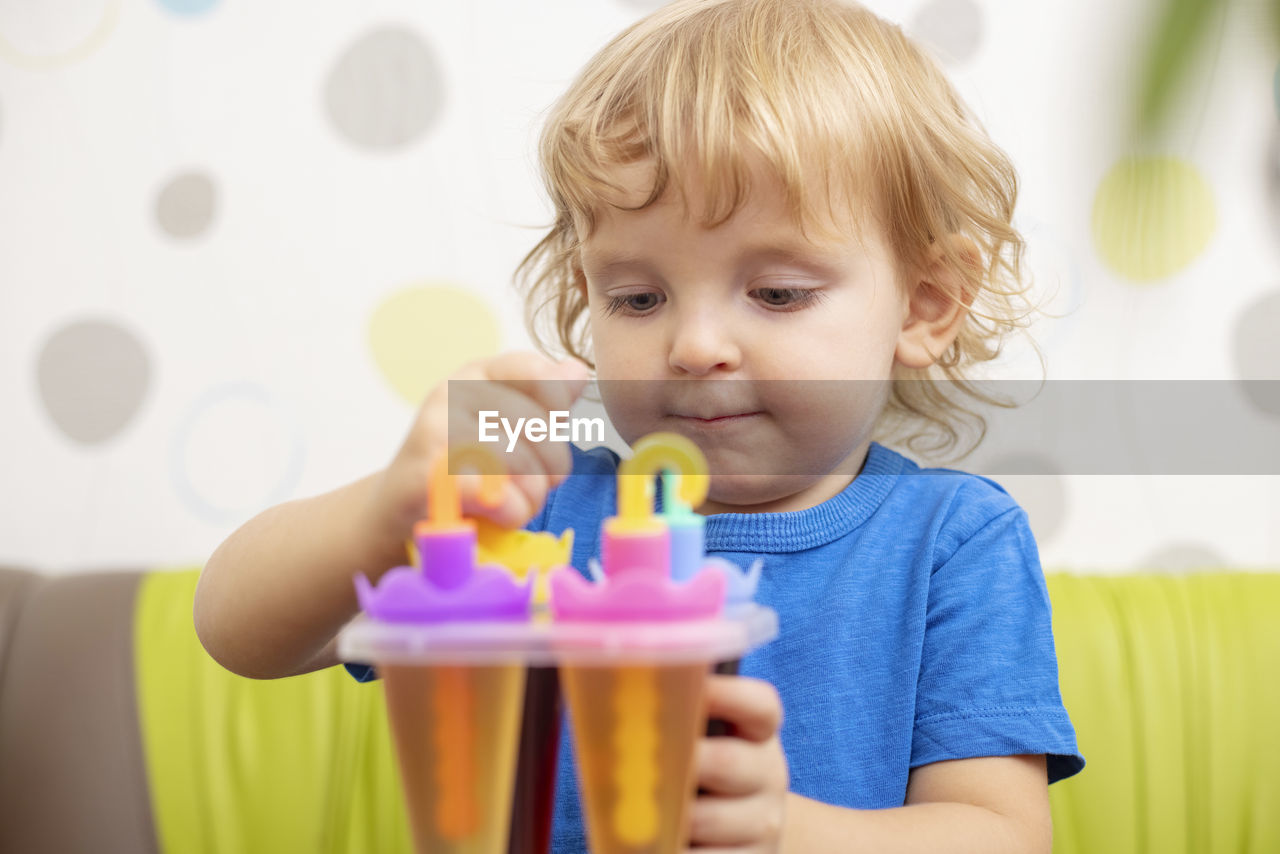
pixel 787 299
pixel 633 304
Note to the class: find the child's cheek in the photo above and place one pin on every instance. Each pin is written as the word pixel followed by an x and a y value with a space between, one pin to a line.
pixel 633 405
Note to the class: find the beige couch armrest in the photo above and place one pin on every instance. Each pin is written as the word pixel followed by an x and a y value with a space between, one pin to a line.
pixel 72 774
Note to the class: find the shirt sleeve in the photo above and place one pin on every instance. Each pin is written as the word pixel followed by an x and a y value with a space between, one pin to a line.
pixel 988 682
pixel 361 672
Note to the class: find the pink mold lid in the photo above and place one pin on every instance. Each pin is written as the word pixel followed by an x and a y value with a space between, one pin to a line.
pixel 635 583
pixel 636 597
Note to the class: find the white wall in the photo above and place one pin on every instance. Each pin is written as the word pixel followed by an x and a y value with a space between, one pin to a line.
pixel 222 221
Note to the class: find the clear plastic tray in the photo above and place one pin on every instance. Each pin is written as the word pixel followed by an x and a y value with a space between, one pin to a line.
pixel 541 642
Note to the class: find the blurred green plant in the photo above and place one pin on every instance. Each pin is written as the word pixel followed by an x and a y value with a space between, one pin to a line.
pixel 1183 29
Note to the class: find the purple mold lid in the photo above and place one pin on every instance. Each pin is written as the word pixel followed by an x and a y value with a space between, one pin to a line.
pixel 406 595
pixel 447 585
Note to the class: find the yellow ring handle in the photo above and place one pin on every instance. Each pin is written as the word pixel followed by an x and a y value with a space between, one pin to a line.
pixel 655 453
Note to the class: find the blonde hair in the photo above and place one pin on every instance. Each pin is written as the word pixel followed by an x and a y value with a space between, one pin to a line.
pixel 829 96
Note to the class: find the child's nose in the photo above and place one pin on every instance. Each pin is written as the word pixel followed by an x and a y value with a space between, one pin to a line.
pixel 701 345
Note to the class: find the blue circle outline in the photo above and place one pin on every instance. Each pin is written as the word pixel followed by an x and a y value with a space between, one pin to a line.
pixel 179 477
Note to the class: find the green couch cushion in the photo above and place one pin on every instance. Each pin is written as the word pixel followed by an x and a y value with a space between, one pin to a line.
pixel 1171 682
pixel 238 766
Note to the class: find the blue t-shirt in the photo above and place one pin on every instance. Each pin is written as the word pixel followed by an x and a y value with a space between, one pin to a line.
pixel 914 628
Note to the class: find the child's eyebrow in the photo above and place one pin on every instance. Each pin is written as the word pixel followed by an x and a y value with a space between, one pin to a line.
pixel 806 255
pixel 603 263
pixel 801 255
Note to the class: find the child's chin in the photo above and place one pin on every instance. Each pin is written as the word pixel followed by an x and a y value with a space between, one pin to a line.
pixel 755 493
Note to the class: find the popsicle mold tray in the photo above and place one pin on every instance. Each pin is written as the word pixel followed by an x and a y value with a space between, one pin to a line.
pixel 654 598
pixel 480 611
pixel 566 644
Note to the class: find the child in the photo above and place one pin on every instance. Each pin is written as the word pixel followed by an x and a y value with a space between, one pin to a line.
pixel 766 210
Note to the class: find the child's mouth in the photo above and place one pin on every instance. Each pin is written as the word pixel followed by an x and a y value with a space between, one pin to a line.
pixel 716 422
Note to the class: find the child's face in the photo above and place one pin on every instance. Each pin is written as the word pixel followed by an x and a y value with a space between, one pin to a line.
pixel 678 306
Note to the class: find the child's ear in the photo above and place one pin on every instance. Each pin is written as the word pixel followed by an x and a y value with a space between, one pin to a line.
pixel 938 300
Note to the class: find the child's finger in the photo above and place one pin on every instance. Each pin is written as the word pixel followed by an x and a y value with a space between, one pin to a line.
pixel 531 491
pixel 734 821
pixel 555 460
pixel 500 416
pixel 751 707
pixel 522 497
pixel 552 385
pixel 731 767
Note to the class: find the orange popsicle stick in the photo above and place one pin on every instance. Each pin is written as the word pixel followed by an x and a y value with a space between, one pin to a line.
pixel 444 507
pixel 457 812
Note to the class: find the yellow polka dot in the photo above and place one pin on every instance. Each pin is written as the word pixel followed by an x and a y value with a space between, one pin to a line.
pixel 55 35
pixel 1152 216
pixel 421 335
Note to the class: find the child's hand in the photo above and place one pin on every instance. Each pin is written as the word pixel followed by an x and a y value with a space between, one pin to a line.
pixel 517 385
pixel 743 777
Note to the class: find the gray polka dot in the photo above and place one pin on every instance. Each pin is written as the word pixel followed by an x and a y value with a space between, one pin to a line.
pixel 92 376
pixel 1256 350
pixel 1183 557
pixel 952 27
pixel 1037 484
pixel 385 91
pixel 185 206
